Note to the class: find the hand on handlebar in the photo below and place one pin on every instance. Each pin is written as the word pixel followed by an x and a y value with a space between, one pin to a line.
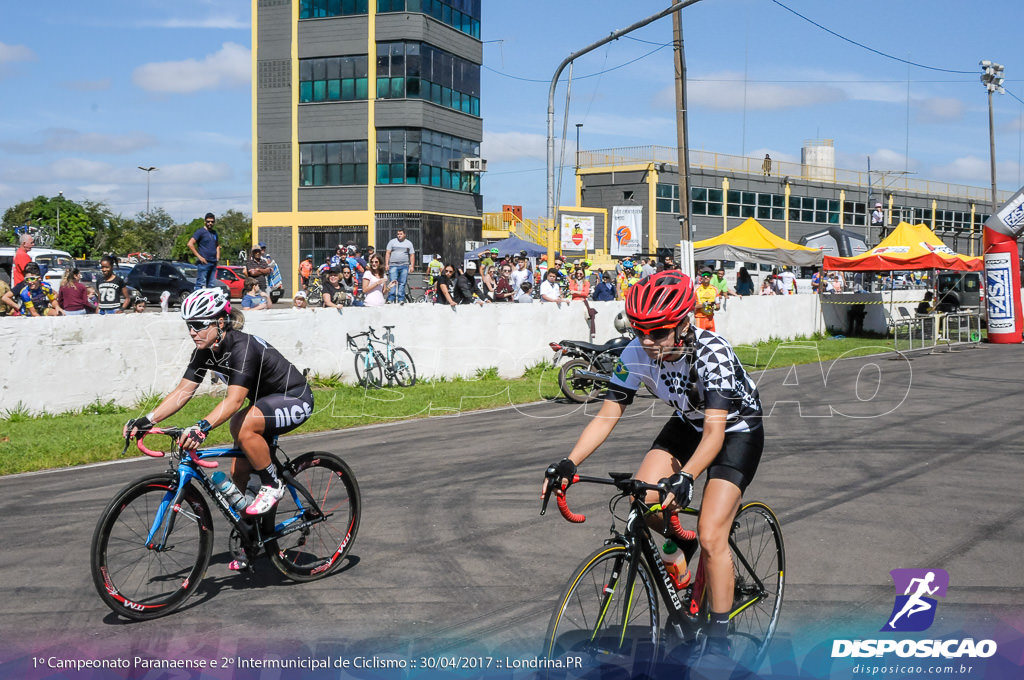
pixel 677 490
pixel 135 427
pixel 557 477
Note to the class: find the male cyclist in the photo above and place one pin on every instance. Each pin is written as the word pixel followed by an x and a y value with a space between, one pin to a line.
pixel 716 427
pixel 279 397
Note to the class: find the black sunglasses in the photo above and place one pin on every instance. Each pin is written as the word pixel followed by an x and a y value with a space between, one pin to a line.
pixel 200 325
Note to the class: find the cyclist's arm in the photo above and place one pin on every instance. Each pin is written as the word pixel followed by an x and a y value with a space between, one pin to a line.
pixel 229 406
pixel 597 430
pixel 174 401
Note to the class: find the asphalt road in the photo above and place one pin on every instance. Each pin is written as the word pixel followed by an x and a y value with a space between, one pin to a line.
pixel 871 465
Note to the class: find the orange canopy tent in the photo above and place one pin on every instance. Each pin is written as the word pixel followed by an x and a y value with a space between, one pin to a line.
pixel 907 247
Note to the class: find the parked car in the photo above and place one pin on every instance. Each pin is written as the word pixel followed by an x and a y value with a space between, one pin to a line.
pixel 233 279
pixel 153 277
pixel 50 261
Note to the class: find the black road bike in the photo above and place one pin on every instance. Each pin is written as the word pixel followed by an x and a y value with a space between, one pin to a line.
pixel 610 613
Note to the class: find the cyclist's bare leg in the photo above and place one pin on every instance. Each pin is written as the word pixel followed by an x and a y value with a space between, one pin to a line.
pixel 718 508
pixel 657 465
pixel 247 430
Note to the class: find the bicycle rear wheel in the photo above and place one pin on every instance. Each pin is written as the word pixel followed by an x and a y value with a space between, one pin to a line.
pixel 368 371
pixel 759 563
pixel 312 545
pixel 139 582
pixel 405 369
pixel 610 623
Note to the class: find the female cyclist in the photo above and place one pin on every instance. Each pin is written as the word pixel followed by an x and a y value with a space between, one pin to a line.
pixel 716 426
pixel 279 397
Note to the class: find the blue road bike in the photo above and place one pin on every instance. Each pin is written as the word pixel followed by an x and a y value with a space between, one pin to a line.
pixel 380 358
pixel 153 542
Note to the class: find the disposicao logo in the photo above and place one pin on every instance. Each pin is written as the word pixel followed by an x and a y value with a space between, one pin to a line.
pixel 916 589
pixel 623 235
pixel 914 611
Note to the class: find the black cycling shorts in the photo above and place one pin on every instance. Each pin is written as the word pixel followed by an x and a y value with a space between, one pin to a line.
pixel 285 412
pixel 736 462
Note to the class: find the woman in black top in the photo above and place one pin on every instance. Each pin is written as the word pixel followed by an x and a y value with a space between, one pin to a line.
pixel 279 398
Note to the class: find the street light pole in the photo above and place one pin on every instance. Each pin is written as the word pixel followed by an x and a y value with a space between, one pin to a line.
pixel 992 79
pixel 615 35
pixel 60 199
pixel 148 170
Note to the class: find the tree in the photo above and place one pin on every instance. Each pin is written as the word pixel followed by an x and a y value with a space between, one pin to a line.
pixel 73 225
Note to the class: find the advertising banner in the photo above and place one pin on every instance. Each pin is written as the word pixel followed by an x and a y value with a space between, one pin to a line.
pixel 626 230
pixel 577 232
pixel 1002 271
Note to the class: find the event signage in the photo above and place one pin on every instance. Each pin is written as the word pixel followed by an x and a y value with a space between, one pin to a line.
pixel 577 232
pixel 626 229
pixel 999 292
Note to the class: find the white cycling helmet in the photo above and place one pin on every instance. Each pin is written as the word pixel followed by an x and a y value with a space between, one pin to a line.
pixel 205 303
pixel 622 322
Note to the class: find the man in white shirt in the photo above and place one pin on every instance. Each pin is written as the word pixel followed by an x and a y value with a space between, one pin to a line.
pixel 788 281
pixel 550 291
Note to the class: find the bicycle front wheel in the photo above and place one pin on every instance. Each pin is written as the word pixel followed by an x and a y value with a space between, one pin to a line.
pixel 759 563
pixel 134 579
pixel 368 371
pixel 405 369
pixel 312 540
pixel 605 619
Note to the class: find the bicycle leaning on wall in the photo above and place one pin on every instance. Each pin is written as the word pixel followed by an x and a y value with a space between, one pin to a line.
pixel 380 358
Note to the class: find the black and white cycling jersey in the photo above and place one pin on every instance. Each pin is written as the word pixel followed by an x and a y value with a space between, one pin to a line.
pixel 716 380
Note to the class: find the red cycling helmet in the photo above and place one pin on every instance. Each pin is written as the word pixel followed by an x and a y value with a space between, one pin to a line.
pixel 660 301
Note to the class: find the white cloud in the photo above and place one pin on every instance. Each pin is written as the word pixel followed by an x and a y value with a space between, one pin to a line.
pixel 15 53
pixel 939 110
pixel 99 189
pixel 214 21
pixel 971 169
pixel 508 147
pixel 725 91
pixel 72 141
pixel 229 67
pixel 195 172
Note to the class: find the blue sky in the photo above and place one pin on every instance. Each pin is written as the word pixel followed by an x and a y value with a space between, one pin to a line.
pixel 94 90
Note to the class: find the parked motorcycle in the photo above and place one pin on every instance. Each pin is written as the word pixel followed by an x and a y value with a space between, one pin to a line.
pixel 589 368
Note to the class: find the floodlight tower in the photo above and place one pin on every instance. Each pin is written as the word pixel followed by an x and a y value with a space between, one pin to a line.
pixel 992 79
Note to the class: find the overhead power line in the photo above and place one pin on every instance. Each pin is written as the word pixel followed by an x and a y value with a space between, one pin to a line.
pixel 869 49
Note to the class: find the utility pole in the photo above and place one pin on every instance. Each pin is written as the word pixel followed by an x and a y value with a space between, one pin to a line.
pixel 615 35
pixel 683 148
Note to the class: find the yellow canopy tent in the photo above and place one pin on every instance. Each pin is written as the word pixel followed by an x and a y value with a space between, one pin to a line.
pixel 907 247
pixel 751 242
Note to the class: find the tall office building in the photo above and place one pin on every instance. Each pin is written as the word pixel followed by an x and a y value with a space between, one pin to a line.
pixel 345 155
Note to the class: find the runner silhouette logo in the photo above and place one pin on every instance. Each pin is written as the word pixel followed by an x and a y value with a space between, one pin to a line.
pixel 916 590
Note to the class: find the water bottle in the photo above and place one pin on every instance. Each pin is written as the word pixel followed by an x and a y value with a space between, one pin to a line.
pixel 227 487
pixel 675 564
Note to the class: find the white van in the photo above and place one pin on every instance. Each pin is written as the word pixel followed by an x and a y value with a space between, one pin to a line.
pixel 52 262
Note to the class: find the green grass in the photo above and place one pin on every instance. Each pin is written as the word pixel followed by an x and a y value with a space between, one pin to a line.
pixel 92 433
